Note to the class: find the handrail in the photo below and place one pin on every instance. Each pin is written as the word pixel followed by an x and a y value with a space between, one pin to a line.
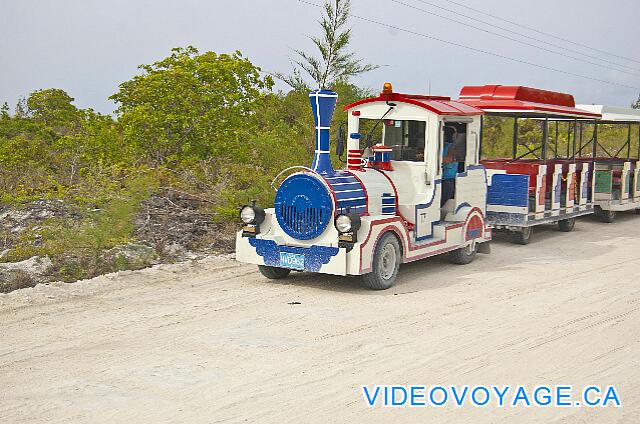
pixel 530 152
pixel 288 169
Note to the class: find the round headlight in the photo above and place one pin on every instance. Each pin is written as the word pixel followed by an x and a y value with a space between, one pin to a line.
pixel 343 223
pixel 248 214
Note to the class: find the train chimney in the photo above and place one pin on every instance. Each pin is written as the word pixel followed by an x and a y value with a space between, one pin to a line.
pixel 323 103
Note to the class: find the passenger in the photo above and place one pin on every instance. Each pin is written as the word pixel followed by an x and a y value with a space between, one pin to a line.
pixel 449 166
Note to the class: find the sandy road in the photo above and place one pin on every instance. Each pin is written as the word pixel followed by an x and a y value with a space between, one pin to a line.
pixel 213 341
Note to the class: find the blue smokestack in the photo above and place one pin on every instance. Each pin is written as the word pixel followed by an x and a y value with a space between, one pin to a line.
pixel 323 103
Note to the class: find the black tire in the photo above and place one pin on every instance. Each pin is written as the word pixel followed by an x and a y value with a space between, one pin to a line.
pixel 605 216
pixel 637 211
pixel 523 236
pixel 387 257
pixel 274 273
pixel 464 255
pixel 567 225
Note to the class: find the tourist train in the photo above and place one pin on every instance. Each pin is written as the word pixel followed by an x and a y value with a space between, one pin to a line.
pixel 415 185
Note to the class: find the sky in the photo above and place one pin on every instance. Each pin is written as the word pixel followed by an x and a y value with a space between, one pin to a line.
pixel 89 47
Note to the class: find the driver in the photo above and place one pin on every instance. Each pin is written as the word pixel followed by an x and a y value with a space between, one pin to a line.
pixel 449 166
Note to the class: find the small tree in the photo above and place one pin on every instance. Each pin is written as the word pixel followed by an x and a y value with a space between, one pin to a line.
pixel 636 104
pixel 53 107
pixel 4 111
pixel 190 105
pixel 336 64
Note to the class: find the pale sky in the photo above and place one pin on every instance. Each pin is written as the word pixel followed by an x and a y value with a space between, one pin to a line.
pixel 88 47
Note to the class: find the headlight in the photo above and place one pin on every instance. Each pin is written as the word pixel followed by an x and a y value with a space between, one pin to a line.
pixel 347 225
pixel 343 223
pixel 252 214
pixel 247 214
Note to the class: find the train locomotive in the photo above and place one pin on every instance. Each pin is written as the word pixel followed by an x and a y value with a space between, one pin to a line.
pixel 415 186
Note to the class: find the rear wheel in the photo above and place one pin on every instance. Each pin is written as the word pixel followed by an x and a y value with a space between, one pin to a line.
pixel 464 255
pixel 567 225
pixel 274 273
pixel 386 262
pixel 522 236
pixel 605 216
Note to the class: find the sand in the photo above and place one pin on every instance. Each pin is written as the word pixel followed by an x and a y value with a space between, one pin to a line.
pixel 214 341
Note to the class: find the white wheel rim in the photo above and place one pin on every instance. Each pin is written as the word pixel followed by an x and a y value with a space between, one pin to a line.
pixel 387 264
pixel 470 247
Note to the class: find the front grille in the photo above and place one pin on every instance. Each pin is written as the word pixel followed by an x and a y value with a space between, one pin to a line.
pixel 303 206
pixel 302 222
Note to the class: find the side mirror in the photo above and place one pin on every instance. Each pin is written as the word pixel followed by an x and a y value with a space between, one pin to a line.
pixel 340 139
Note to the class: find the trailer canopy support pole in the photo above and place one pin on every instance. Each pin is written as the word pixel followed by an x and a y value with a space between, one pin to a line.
pixel 555 147
pixel 595 140
pixel 629 141
pixel 515 137
pixel 581 136
pixel 575 133
pixel 545 138
pixel 480 137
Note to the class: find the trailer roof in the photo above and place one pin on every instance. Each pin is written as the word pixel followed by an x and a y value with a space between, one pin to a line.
pixel 613 113
pixel 523 102
pixel 437 104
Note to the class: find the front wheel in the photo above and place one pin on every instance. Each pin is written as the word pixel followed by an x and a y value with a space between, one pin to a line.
pixel 464 255
pixel 522 236
pixel 605 216
pixel 567 225
pixel 386 262
pixel 274 273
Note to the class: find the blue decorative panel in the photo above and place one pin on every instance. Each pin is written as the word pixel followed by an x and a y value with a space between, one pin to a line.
pixel 388 204
pixel 349 192
pixel 314 256
pixel 508 190
pixel 558 189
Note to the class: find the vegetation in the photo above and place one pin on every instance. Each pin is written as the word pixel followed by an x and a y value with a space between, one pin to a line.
pixel 498 138
pixel 207 126
pixel 336 64
pixel 204 124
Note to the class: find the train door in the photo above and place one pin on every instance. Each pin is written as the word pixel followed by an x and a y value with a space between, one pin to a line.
pixel 463 180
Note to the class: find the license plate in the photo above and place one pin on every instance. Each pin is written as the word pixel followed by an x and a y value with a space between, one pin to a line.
pixel 291 260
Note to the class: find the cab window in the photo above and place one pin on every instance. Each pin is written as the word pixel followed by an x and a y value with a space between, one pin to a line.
pixel 406 138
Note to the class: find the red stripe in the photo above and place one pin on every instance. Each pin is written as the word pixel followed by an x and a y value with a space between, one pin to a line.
pixel 407 242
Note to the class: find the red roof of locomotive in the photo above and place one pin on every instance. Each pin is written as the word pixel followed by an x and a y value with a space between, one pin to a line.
pixel 437 104
pixel 522 100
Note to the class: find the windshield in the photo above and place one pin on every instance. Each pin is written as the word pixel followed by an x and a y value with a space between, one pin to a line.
pixel 405 137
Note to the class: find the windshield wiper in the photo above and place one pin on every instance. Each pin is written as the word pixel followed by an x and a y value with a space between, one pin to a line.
pixel 368 138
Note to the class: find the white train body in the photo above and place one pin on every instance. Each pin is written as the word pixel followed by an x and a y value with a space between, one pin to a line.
pixel 381 194
pixel 416 188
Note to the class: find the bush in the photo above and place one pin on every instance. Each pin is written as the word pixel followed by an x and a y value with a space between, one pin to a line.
pixel 205 124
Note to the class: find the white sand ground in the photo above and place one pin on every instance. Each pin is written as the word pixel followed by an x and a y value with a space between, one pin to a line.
pixel 214 341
